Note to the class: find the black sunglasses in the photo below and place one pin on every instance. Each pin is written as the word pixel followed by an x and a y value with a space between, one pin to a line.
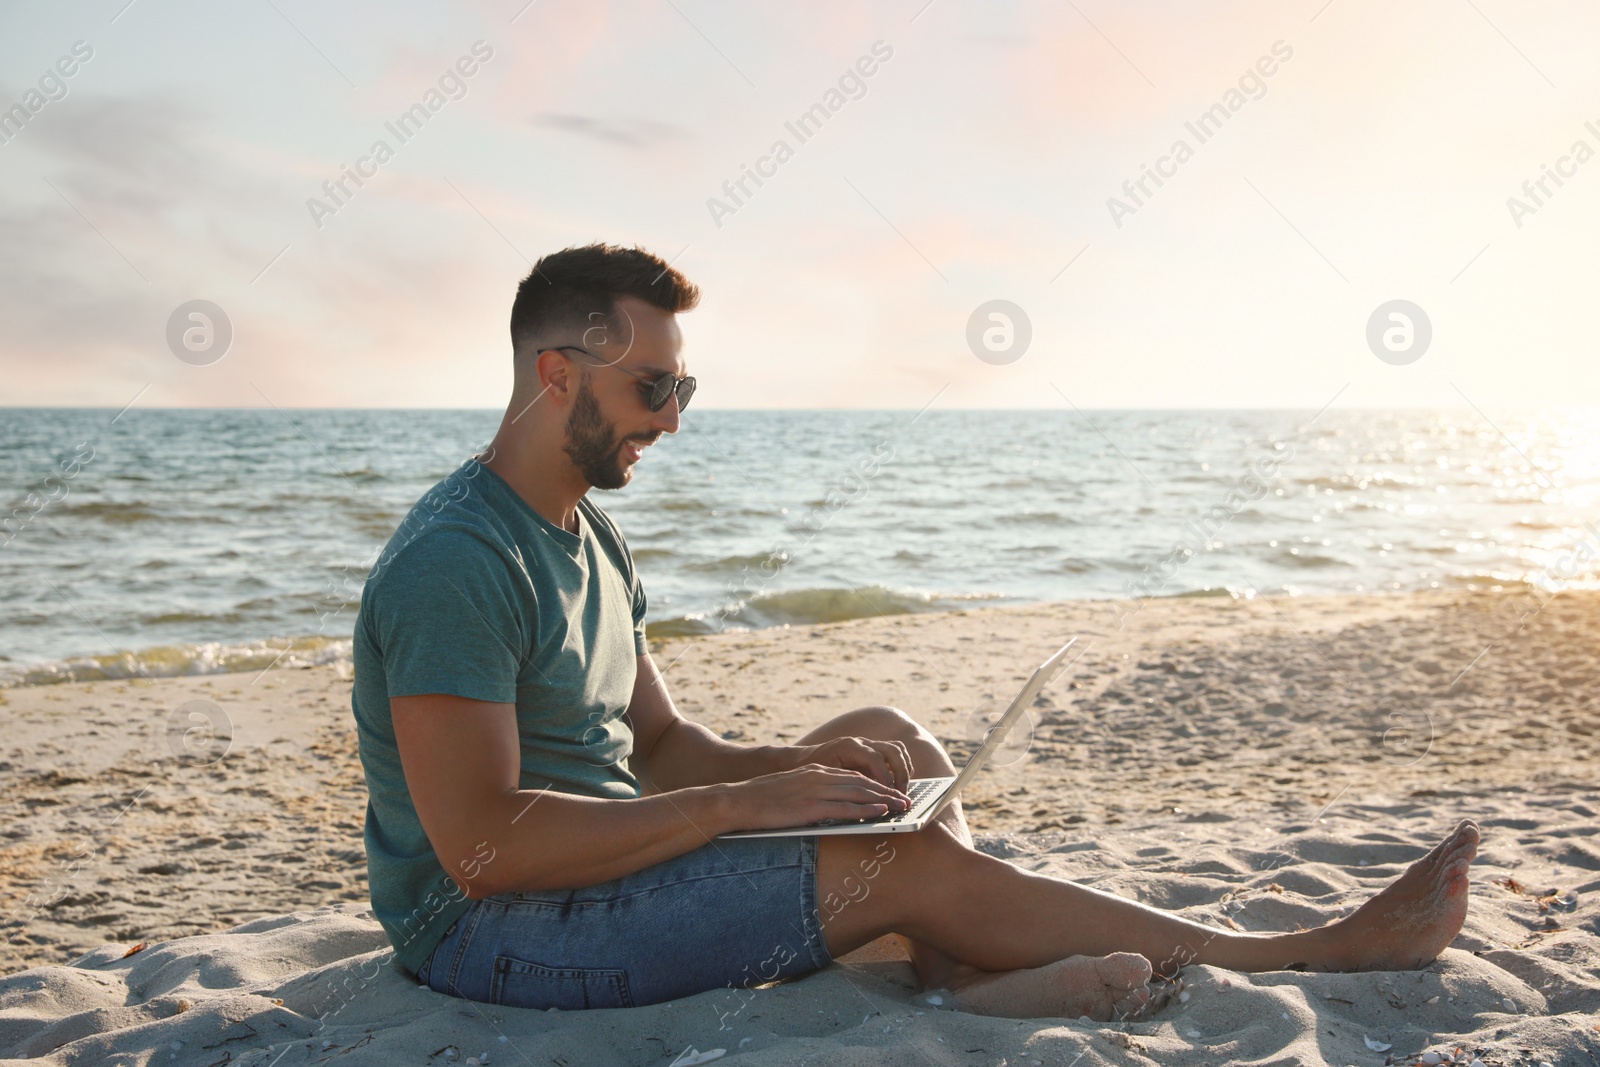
pixel 660 388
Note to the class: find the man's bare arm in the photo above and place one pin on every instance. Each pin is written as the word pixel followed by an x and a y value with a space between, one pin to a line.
pixel 671 752
pixel 461 760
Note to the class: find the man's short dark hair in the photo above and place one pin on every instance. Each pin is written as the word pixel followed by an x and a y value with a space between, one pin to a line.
pixel 567 289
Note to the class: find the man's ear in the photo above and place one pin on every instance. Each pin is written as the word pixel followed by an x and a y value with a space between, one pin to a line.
pixel 556 375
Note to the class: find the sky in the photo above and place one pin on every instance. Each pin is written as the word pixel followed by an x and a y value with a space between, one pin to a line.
pixel 1358 153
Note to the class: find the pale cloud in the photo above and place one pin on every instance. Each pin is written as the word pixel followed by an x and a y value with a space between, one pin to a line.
pixel 630 133
pixel 1376 164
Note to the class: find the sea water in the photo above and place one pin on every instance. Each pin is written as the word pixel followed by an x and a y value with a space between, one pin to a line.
pixel 188 541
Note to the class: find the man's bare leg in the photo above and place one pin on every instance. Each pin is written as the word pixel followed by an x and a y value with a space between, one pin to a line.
pixel 928 760
pixel 1070 987
pixel 984 915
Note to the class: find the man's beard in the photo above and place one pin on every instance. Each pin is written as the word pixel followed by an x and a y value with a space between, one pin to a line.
pixel 592 443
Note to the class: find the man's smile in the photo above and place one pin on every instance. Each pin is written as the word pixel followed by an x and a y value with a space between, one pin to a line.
pixel 633 448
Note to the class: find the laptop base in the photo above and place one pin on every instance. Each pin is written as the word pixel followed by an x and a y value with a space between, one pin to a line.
pixel 908 821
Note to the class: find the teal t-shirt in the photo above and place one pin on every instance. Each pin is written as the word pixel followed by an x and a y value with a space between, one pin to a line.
pixel 477 595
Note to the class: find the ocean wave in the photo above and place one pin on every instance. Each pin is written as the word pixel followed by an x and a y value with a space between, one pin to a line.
pixel 1352 481
pixel 109 510
pixel 172 618
pixel 727 564
pixel 1033 518
pixel 172 661
pixel 810 606
pixel 1508 583
pixel 1308 559
pixel 1206 593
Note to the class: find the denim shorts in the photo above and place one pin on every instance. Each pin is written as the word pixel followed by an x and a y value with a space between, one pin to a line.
pixel 740 912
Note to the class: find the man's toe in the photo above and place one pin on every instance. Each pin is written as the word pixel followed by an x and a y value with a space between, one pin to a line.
pixel 1123 970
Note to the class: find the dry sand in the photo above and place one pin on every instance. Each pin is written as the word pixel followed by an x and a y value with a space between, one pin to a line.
pixel 1260 764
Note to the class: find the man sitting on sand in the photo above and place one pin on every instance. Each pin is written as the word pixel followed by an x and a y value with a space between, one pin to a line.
pixel 541 823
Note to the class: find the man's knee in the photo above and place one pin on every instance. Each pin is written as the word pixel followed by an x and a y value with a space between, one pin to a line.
pixel 882 723
pixel 900 863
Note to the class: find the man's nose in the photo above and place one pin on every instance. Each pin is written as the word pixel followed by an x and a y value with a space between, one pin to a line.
pixel 666 420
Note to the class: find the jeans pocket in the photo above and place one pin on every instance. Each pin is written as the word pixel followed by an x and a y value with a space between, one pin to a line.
pixel 526 984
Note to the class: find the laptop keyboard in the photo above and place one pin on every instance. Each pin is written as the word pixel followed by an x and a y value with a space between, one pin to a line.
pixel 917 791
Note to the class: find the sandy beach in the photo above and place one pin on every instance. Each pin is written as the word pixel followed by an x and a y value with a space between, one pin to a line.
pixel 1256 764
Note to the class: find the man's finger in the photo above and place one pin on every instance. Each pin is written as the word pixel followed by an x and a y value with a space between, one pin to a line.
pixel 863 756
pixel 865 775
pixel 883 770
pixel 900 764
pixel 873 792
pixel 895 764
pixel 879 788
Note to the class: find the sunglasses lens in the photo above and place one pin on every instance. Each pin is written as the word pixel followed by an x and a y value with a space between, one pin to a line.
pixel 660 389
pixel 685 391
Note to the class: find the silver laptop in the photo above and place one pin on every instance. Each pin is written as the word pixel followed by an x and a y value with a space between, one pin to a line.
pixel 929 796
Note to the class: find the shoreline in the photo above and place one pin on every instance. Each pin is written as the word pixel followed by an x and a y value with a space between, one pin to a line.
pixel 210 658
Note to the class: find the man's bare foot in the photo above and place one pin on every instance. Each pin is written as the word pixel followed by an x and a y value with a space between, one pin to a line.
pixel 1103 987
pixel 1408 924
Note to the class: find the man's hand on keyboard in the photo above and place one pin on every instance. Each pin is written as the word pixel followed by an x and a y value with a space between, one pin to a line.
pixel 882 761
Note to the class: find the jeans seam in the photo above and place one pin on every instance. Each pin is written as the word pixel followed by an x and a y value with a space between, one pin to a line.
pixel 508 901
pixel 808 902
pixel 615 977
pixel 474 914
